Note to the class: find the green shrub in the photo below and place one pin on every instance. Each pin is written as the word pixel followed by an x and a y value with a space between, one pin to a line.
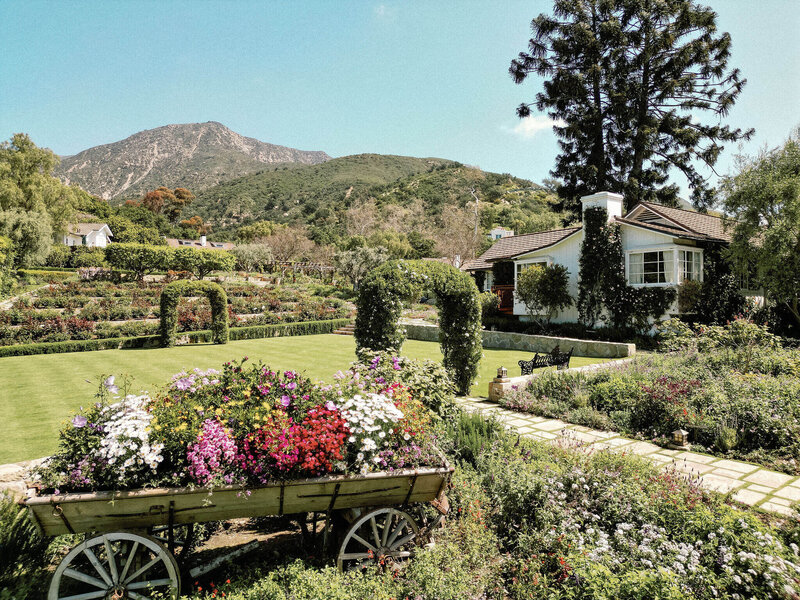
pixel 139 259
pixel 201 261
pixel 490 303
pixel 59 256
pixel 471 434
pixel 170 295
pixel 544 290
pixel 23 552
pixel 87 257
pixel 194 337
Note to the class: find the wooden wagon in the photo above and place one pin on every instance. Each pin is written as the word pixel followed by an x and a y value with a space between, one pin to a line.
pixel 131 536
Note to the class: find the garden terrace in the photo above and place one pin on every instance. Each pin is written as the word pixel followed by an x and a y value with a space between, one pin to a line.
pixel 80 310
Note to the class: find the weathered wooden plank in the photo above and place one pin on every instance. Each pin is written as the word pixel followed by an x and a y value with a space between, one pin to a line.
pixel 108 511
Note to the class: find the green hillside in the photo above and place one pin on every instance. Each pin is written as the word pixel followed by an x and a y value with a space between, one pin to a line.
pixel 320 195
pixel 295 192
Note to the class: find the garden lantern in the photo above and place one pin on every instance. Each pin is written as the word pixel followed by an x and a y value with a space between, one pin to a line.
pixel 502 373
pixel 680 440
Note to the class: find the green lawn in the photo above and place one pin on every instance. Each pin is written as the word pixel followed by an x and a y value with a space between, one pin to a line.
pixel 38 393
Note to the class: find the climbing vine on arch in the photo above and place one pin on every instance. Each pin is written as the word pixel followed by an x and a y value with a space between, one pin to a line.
pixel 380 305
pixel 173 292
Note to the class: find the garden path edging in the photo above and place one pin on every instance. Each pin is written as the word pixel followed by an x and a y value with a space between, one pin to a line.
pixel 504 340
pixel 751 484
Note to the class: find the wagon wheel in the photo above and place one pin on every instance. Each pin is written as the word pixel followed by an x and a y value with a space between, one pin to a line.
pixel 383 534
pixel 116 565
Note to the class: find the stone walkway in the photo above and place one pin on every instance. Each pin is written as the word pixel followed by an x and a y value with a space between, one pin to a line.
pixel 752 485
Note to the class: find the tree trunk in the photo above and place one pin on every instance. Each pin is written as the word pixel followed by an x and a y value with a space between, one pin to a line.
pixel 640 139
pixel 598 151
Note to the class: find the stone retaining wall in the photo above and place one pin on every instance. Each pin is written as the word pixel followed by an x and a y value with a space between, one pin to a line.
pixel 500 387
pixel 533 343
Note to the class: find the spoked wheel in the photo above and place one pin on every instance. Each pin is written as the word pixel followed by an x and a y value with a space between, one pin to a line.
pixel 384 535
pixel 115 566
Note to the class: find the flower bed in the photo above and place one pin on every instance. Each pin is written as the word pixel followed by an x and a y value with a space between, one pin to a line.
pixel 104 309
pixel 735 389
pixel 248 425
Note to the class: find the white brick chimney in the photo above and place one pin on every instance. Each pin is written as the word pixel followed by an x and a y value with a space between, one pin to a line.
pixel 608 200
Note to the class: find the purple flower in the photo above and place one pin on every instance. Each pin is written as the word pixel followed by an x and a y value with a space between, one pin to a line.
pixel 109 384
pixel 395 363
pixel 292 385
pixel 79 421
pixel 285 400
pixel 184 384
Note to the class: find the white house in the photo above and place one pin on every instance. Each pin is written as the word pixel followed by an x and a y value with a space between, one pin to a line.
pixel 499 233
pixel 663 247
pixel 93 235
pixel 201 243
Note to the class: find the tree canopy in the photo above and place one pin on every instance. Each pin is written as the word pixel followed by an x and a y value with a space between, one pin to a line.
pixel 34 205
pixel 626 82
pixel 764 199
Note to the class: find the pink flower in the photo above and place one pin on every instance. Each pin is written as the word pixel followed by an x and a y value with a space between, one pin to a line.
pixel 285 400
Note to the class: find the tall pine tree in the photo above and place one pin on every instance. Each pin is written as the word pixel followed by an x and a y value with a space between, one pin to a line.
pixel 625 81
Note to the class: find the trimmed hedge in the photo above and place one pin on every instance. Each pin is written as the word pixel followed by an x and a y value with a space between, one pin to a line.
pixel 380 305
pixel 55 275
pixel 194 337
pixel 170 295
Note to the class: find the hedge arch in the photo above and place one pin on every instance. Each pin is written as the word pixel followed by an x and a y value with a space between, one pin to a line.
pixel 170 295
pixel 380 305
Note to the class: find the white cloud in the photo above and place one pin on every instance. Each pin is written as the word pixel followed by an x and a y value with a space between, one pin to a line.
pixel 530 126
pixel 384 12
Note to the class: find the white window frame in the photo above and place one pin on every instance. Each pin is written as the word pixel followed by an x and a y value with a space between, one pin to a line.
pixel 679 272
pixel 677 265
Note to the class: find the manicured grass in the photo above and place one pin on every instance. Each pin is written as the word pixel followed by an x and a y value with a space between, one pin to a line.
pixel 38 393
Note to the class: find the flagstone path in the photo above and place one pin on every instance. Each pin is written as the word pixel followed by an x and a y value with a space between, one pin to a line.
pixel 751 484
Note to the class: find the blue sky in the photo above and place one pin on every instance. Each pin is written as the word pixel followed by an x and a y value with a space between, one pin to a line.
pixel 425 78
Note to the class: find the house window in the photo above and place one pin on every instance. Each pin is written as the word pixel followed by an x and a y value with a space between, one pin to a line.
pixel 690 263
pixel 650 267
pixel 522 266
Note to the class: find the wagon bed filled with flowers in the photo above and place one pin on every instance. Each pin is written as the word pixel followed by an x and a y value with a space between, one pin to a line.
pixel 137 473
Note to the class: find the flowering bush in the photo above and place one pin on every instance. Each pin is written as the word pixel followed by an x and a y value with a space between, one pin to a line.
pixel 243 425
pixel 741 403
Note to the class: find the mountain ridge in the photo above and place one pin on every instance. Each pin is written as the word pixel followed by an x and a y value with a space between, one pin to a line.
pixel 192 155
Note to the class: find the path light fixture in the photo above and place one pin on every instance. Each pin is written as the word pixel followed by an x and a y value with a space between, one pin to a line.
pixel 680 440
pixel 502 373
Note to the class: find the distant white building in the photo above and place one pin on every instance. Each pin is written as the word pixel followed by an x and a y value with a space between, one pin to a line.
pixel 500 232
pixel 92 235
pixel 201 243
